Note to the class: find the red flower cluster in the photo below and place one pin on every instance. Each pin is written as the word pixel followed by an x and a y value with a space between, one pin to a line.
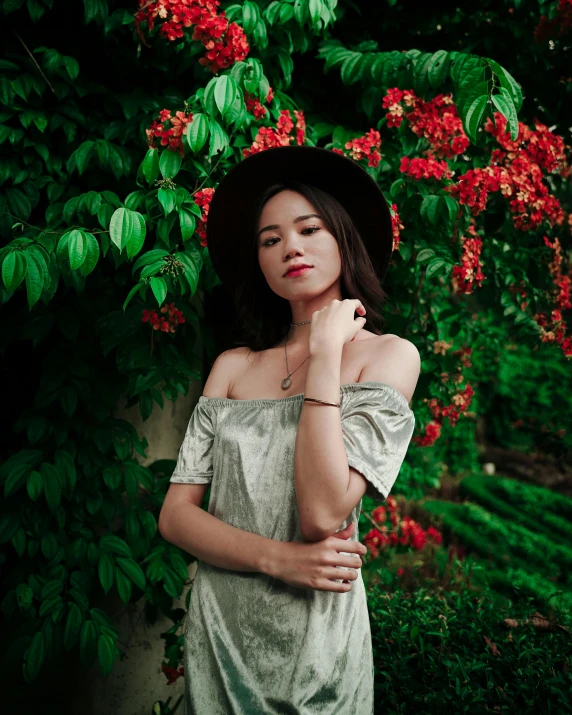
pixel 172 673
pixel 405 531
pixel 165 325
pixel 394 100
pixel 396 226
pixel 436 120
pixel 169 129
pixel 553 330
pixel 366 147
pixel 517 174
pixel 254 106
pixel 425 168
pixel 268 137
pixel 472 188
pixel 460 402
pixel 541 146
pixel 225 43
pixel 558 26
pixel 469 272
pixel 203 199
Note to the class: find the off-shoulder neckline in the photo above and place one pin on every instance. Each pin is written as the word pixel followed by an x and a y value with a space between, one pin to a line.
pixel 346 387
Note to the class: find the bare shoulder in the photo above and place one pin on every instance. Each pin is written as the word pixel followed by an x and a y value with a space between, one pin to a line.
pixel 393 360
pixel 224 368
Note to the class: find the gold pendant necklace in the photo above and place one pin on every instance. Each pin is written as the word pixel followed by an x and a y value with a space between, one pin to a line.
pixel 287 382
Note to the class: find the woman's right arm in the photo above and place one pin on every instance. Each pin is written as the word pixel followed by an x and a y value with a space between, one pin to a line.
pixel 314 565
pixel 185 524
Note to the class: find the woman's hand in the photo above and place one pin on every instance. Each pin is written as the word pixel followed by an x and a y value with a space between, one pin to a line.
pixel 335 325
pixel 319 565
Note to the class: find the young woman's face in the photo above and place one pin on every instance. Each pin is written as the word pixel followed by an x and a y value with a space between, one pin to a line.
pixel 298 235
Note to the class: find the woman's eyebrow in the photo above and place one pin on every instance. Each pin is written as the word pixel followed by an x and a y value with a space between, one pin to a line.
pixel 273 226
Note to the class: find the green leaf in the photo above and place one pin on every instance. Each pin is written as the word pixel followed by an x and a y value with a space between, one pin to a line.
pixel 122 226
pixel 113 544
pixel 425 255
pixel 474 116
pixel 438 68
pixel 49 544
pixel 106 571
pixel 132 569
pixel 52 485
pixel 134 200
pixel 430 208
pixel 167 199
pixel 159 288
pixel 509 83
pixel 197 132
pixel 92 202
pixel 34 657
pixel 463 65
pixel 19 542
pixel 124 588
pixel 14 269
pixel 224 93
pixel 187 221
pixel 170 163
pixel 51 589
pixel 106 653
pixel 34 485
pixel 18 204
pixel 449 210
pixel 148 258
pixel 82 155
pixel 72 67
pixel 150 166
pixel 351 68
pixel 131 293
pixel 36 276
pixel 136 239
pixel 77 249
pixel 435 267
pixel 219 138
pixel 249 16
pixel 73 625
pixel 504 104
pixel 16 479
pixel 420 73
pixel 93 253
pixel 191 274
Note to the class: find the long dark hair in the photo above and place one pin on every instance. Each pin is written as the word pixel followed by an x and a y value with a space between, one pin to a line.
pixel 263 318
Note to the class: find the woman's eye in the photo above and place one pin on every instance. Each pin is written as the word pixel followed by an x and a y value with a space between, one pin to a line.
pixel 313 229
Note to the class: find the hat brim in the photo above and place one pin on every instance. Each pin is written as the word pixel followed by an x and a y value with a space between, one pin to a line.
pixel 232 204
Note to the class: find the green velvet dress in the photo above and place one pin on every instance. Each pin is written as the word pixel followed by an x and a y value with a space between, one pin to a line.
pixel 253 644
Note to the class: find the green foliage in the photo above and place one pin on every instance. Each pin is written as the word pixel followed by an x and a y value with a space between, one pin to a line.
pixel 99 222
pixel 475 82
pixel 522 503
pixel 451 649
pixel 519 554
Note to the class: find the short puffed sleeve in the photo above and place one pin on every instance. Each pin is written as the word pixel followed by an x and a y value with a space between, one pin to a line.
pixel 377 426
pixel 195 461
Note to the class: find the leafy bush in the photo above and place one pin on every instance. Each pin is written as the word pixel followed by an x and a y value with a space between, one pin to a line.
pixel 454 649
pixel 107 169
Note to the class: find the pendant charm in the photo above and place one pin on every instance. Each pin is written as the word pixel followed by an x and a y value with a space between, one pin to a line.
pixel 286 383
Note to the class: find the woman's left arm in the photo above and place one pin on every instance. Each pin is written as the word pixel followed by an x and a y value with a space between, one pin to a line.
pixel 327 488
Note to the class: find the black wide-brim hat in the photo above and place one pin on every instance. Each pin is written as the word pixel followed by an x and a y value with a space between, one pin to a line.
pixel 231 208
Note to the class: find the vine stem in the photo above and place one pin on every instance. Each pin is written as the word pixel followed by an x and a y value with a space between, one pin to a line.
pixel 45 230
pixel 213 169
pixel 34 61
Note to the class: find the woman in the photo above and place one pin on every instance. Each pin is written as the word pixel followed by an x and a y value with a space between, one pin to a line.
pixel 290 432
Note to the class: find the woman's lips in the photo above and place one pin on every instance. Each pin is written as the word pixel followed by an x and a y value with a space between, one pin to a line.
pixel 299 272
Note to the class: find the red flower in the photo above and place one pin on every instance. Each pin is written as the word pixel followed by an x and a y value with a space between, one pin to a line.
pixel 225 43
